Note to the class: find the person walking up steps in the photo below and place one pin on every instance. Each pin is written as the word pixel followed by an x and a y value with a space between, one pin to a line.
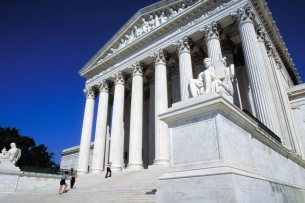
pixel 63 182
pixel 72 181
pixel 108 170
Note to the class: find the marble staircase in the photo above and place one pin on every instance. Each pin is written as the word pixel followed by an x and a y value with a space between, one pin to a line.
pixel 127 186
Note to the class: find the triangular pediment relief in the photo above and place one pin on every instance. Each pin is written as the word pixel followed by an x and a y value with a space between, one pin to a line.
pixel 138 27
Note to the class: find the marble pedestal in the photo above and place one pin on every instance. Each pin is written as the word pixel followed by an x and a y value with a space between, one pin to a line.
pixel 219 154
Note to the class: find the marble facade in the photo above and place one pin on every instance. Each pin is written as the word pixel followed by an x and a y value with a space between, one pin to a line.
pixel 145 71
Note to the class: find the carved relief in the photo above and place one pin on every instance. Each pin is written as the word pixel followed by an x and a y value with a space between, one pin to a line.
pixel 212 31
pixel 119 78
pixel 90 93
pixel 261 33
pixel 138 68
pixel 103 86
pixel 160 57
pixel 184 45
pixel 245 14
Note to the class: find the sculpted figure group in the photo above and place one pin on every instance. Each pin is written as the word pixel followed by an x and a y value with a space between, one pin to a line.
pixel 12 155
pixel 146 26
pixel 216 78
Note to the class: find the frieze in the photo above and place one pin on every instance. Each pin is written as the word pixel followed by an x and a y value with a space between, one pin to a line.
pixel 146 26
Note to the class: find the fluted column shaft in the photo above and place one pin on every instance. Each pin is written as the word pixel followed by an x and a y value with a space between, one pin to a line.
pixel 292 138
pixel 117 131
pixel 185 65
pixel 83 158
pixel 212 35
pixel 254 64
pixel 214 50
pixel 100 131
pixel 161 106
pixel 136 119
pixel 270 92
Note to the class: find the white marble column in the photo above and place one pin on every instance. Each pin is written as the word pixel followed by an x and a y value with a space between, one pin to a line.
pixel 274 106
pixel 212 34
pixel 100 131
pixel 184 47
pixel 117 127
pixel 136 118
pixel 83 158
pixel 161 105
pixel 291 139
pixel 107 145
pixel 254 63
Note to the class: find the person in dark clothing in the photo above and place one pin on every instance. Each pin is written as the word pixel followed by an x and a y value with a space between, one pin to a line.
pixel 108 170
pixel 72 181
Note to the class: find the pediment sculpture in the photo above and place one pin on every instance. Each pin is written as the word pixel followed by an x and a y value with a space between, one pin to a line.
pixel 216 77
pixel 145 27
pixel 9 158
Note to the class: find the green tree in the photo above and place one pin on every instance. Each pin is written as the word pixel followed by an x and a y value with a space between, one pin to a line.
pixel 31 155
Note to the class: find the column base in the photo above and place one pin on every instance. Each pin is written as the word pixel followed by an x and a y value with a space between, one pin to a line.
pixel 135 166
pixel 116 169
pixel 82 173
pixel 162 162
pixel 96 171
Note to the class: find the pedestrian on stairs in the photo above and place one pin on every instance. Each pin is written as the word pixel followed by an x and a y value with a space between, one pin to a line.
pixel 108 169
pixel 63 182
pixel 72 181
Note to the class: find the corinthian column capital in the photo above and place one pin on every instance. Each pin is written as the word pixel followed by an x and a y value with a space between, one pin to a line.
pixel 138 69
pixel 104 86
pixel 261 33
pixel 184 45
pixel 119 78
pixel 212 31
pixel 160 57
pixel 90 93
pixel 244 14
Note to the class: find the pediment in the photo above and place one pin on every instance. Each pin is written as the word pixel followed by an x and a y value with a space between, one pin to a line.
pixel 155 15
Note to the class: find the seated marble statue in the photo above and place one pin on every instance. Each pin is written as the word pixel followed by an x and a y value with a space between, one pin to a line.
pixel 209 80
pixel 137 31
pixel 172 13
pixel 163 18
pixel 182 8
pixel 122 44
pixel 145 26
pixel 157 21
pixel 152 22
pixel 131 37
pixel 13 155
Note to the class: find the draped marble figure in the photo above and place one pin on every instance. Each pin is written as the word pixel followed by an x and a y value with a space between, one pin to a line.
pixel 216 79
pixel 12 155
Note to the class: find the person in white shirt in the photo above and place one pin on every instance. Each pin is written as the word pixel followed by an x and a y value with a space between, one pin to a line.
pixel 108 170
pixel 63 182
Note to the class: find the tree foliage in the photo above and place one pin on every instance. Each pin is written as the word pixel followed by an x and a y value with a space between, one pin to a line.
pixel 31 155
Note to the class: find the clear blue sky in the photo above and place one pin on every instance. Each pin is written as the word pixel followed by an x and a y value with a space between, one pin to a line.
pixel 44 43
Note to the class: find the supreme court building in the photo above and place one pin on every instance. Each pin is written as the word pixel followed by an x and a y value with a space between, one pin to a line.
pixel 195 85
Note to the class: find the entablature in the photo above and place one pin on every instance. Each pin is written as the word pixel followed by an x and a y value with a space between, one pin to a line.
pixel 186 23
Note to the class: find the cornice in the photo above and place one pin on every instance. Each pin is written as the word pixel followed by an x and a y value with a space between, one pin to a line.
pixel 269 23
